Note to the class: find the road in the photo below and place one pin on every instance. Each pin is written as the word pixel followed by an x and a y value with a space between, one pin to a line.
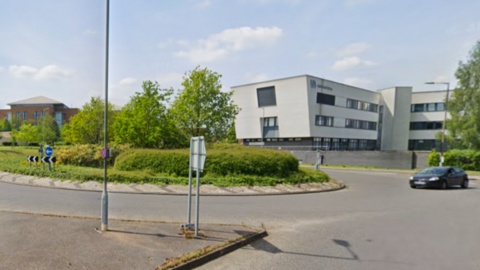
pixel 378 222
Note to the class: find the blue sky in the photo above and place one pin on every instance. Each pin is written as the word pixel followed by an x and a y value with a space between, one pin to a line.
pixel 56 48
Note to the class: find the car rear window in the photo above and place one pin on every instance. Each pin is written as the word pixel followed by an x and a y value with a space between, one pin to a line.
pixel 458 170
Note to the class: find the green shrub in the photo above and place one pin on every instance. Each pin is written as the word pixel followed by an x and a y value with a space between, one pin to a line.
pixel 87 154
pixel 465 159
pixel 8 143
pixel 221 161
pixel 81 174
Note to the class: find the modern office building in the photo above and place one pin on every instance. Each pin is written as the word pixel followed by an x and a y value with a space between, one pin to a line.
pixel 311 112
pixel 34 108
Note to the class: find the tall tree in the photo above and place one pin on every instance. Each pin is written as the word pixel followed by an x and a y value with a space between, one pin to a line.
pixel 232 135
pixel 464 107
pixel 16 122
pixel 48 128
pixel 5 125
pixel 145 121
pixel 29 133
pixel 201 108
pixel 88 125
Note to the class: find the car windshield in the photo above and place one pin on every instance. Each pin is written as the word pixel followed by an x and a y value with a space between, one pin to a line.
pixel 434 171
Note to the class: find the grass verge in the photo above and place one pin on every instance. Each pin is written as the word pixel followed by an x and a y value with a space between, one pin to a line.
pixel 83 174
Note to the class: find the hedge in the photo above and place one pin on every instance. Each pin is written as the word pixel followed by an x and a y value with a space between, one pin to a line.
pixel 465 159
pixel 8 143
pixel 89 155
pixel 81 174
pixel 221 161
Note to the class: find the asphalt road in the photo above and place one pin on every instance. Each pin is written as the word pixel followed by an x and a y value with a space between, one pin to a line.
pixel 376 223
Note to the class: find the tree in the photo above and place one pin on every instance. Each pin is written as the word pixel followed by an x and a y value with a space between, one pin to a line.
pixel 464 106
pixel 145 121
pixel 16 122
pixel 87 126
pixel 201 108
pixel 29 133
pixel 51 132
pixel 232 136
pixel 13 136
pixel 5 125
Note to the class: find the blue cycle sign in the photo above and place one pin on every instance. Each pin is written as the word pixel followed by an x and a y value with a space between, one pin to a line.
pixel 48 151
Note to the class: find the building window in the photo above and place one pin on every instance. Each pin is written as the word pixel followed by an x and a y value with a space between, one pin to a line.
pixel 428 107
pixel 266 96
pixel 422 145
pixel 362 105
pixel 18 115
pixel 360 124
pixel 24 115
pixel 35 115
pixel 321 120
pixel 426 125
pixel 42 113
pixel 325 99
pixel 270 127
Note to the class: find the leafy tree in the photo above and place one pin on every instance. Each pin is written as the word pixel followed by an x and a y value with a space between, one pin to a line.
pixel 66 133
pixel 145 121
pixel 49 129
pixel 16 122
pixel 13 136
pixel 29 133
pixel 5 125
pixel 201 108
pixel 464 106
pixel 87 127
pixel 232 136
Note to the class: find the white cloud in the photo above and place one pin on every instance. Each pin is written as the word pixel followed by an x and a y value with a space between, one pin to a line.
pixel 47 73
pixel 23 71
pixel 441 78
pixel 90 32
pixel 204 4
pixel 355 3
pixel 219 46
pixel 354 48
pixel 358 82
pixel 256 78
pixel 351 62
pixel 52 73
pixel 127 81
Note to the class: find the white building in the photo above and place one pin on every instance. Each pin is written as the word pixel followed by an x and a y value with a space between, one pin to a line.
pixel 316 113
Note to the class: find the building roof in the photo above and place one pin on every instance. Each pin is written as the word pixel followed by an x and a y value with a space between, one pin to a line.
pixel 36 100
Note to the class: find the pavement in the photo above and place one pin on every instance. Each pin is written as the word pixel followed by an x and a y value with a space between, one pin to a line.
pixel 32 241
pixel 168 189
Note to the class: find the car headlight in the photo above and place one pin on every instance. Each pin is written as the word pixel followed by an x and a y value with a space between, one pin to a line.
pixel 433 179
pixel 411 177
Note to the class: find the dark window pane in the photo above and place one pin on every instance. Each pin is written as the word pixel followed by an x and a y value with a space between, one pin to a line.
pixel 325 99
pixel 418 107
pixel 266 96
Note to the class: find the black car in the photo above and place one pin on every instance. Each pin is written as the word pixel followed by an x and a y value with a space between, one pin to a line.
pixel 440 177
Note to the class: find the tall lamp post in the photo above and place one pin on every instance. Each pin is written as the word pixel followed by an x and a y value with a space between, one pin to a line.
pixel 442 146
pixel 104 193
pixel 44 125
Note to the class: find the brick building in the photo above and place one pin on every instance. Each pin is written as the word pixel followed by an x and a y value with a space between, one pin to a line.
pixel 34 109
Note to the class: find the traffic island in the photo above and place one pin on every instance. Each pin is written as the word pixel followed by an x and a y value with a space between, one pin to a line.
pixel 31 241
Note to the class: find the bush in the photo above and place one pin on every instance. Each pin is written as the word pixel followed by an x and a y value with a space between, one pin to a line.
pixel 465 159
pixel 89 155
pixel 222 160
pixel 33 144
pixel 8 143
pixel 82 174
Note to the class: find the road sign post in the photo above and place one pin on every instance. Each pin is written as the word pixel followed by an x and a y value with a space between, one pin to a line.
pixel 48 153
pixel 197 162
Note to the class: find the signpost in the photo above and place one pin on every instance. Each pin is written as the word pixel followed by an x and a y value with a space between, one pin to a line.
pixel 105 153
pixel 198 154
pixel 49 160
pixel 48 153
pixel 31 159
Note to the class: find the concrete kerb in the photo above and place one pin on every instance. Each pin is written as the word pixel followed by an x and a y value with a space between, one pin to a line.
pixel 220 252
pixel 339 186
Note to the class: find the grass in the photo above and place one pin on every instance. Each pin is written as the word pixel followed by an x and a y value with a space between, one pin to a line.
pixel 18 151
pixel 173 262
pixel 19 165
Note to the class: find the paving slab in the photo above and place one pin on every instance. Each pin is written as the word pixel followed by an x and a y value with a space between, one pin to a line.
pixel 29 241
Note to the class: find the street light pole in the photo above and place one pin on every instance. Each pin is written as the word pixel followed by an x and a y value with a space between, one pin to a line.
pixel 44 125
pixel 442 146
pixel 104 193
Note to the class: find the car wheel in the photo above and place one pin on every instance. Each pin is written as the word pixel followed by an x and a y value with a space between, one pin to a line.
pixel 444 185
pixel 464 183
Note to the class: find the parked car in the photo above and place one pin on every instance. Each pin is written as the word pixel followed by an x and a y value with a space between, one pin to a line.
pixel 440 177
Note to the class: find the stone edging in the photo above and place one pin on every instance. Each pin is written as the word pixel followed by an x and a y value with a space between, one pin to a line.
pixel 174 190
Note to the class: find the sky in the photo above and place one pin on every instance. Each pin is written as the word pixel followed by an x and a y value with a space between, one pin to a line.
pixel 56 48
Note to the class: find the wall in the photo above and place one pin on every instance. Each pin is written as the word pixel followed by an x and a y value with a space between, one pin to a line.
pixel 389 160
